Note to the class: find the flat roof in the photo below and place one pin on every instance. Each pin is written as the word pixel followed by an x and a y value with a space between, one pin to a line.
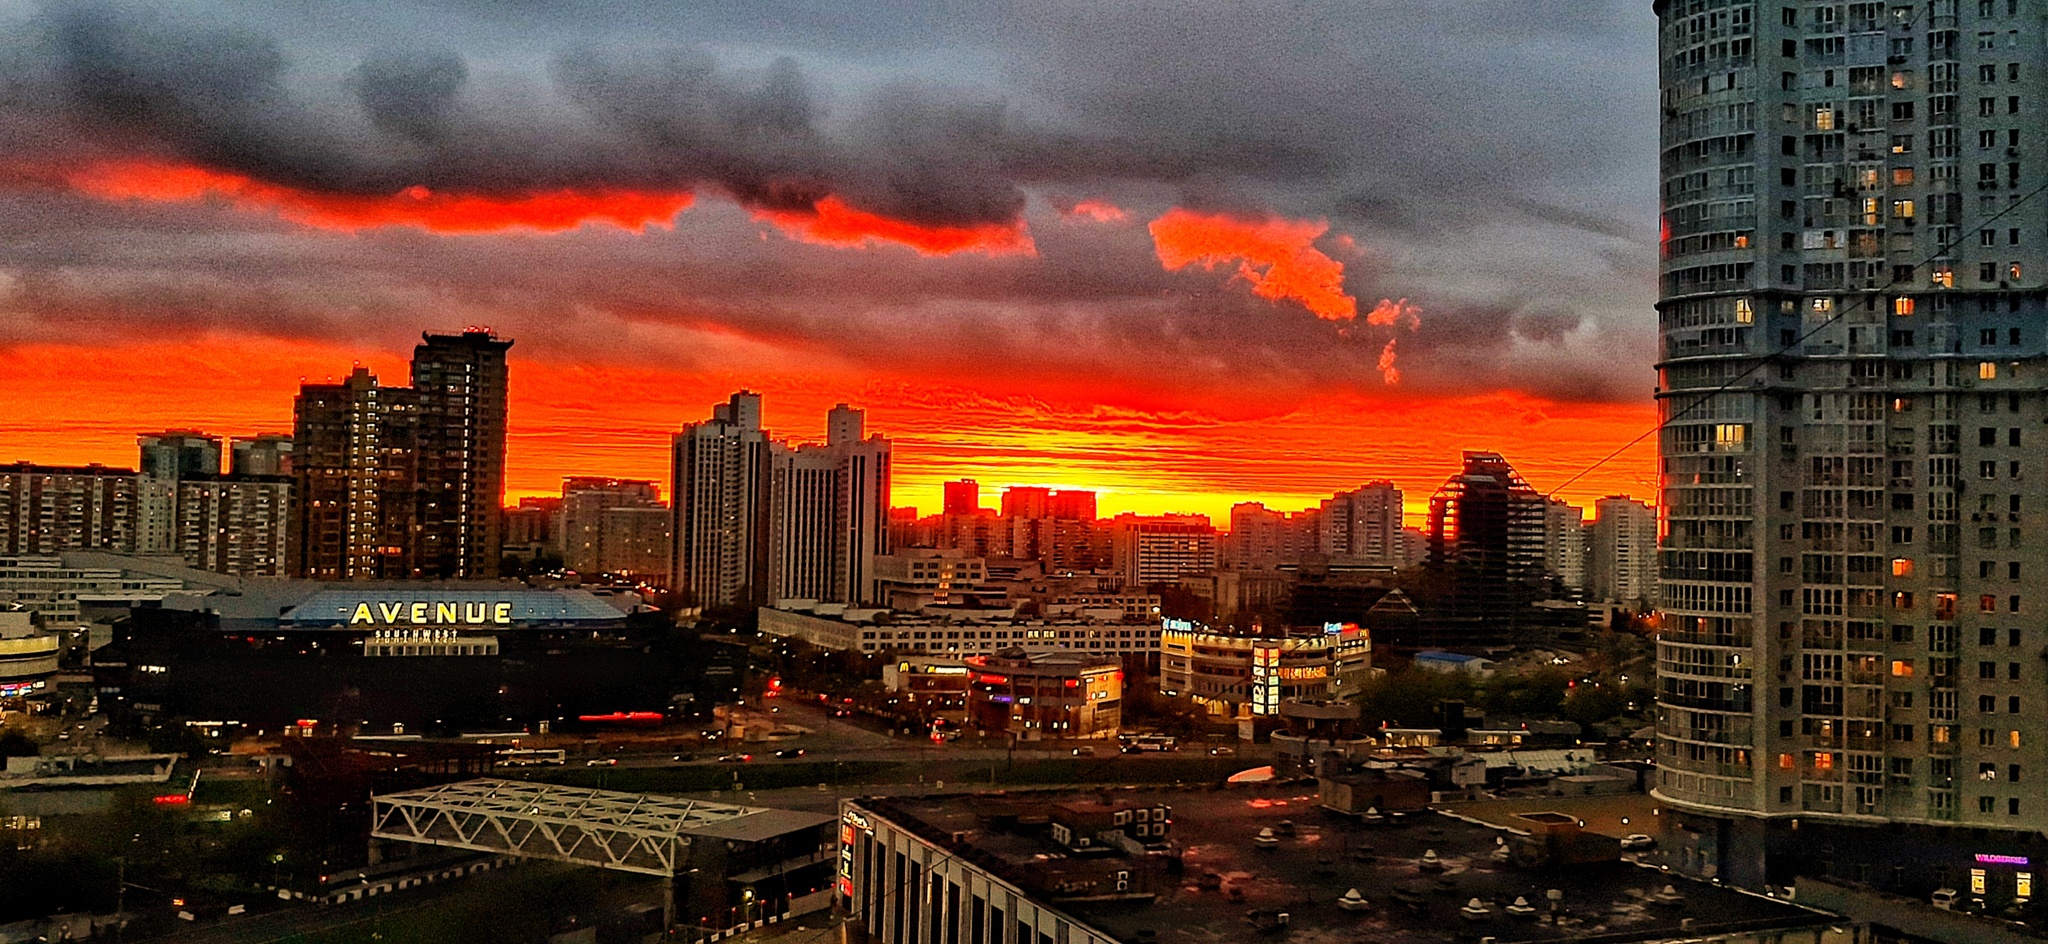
pixel 262 604
pixel 1305 874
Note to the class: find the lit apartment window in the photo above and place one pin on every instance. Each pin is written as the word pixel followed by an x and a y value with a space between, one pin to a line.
pixel 1743 313
pixel 1902 668
pixel 1902 306
pixel 1902 209
pixel 1902 567
pixel 1987 370
pixel 1942 277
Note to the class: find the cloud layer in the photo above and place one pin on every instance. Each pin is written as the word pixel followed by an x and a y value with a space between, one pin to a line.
pixel 1012 200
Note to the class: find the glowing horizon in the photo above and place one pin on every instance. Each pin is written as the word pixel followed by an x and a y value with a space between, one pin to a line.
pixel 1136 461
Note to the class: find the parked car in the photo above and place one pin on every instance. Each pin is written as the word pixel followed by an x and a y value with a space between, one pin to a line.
pixel 685 756
pixel 1638 841
pixel 789 752
pixel 1084 752
pixel 602 762
pixel 735 758
pixel 1223 752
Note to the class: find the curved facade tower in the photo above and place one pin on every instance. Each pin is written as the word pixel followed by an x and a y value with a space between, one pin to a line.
pixel 1854 567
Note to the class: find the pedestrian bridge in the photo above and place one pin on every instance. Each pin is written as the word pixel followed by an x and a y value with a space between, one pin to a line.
pixel 629 832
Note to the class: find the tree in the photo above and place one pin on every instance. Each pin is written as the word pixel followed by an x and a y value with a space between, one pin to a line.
pixel 13 743
pixel 1409 698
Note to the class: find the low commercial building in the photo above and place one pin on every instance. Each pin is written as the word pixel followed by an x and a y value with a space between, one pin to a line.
pixel 936 685
pixel 1034 696
pixel 924 576
pixel 843 628
pixel 1241 674
pixel 1454 663
pixel 28 654
pixel 59 588
pixel 1089 868
pixel 369 655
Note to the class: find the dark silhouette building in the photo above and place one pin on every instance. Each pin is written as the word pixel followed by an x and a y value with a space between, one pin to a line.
pixel 1485 565
pixel 404 482
pixel 460 380
pixel 354 478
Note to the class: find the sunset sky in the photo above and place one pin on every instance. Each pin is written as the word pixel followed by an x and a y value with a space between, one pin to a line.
pixel 1187 254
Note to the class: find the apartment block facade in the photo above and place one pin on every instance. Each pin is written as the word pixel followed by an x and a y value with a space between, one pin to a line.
pixel 1853 314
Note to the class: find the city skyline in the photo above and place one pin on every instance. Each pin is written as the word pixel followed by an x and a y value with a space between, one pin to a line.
pixel 1089 453
pixel 1024 248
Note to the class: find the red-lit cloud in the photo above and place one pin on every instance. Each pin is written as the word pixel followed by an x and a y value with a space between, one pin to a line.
pixel 440 212
pixel 1100 211
pixel 1392 314
pixel 831 222
pixel 1276 256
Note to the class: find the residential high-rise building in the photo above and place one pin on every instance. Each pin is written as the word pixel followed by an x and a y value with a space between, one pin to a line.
pixel 1161 549
pixel 802 495
pixel 1564 543
pixel 1486 550
pixel 47 509
pixel 167 458
pixel 1263 539
pixel 179 453
pixel 234 524
pixel 1852 388
pixel 636 541
pixel 963 497
pixel 265 454
pixel 829 513
pixel 1057 528
pixel 461 384
pixel 1363 525
pixel 1071 504
pixel 355 475
pixel 1026 501
pixel 719 497
pixel 534 523
pixel 583 525
pixel 1622 567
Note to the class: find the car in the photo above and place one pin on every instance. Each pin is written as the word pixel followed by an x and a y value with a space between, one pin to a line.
pixel 1638 841
pixel 789 752
pixel 735 758
pixel 1223 752
pixel 1084 752
pixel 602 762
pixel 682 757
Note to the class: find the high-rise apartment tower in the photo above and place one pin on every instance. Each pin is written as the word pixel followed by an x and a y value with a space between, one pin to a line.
pixel 1853 315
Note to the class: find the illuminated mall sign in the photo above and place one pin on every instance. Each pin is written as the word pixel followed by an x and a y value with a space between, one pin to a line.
pixel 442 613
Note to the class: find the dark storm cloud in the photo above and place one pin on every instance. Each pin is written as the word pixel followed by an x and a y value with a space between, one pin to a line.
pixel 1487 156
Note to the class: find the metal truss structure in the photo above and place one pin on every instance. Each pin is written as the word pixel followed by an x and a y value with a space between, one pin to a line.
pixel 630 832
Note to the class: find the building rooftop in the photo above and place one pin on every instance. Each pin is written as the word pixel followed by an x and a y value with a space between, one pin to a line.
pixel 266 604
pixel 1230 886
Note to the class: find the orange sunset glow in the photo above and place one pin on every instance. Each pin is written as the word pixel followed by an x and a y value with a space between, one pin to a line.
pixel 1276 257
pixel 551 211
pixel 832 222
pixel 582 419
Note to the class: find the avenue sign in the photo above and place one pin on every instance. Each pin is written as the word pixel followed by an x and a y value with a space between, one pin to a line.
pixel 442 613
